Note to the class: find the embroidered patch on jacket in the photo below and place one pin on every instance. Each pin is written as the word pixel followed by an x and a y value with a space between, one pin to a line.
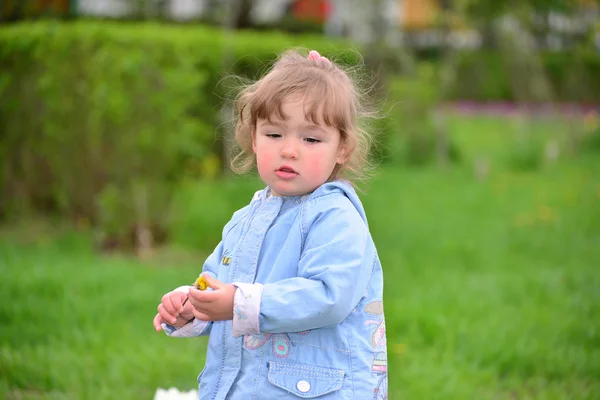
pixel 378 341
pixel 381 390
pixel 280 341
pixel 226 260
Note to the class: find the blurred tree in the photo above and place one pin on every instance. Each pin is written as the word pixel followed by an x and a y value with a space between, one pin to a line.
pixel 149 9
pixel 488 10
pixel 509 24
pixel 514 33
pixel 164 8
pixel 139 8
pixel 238 14
pixel 243 10
pixel 447 81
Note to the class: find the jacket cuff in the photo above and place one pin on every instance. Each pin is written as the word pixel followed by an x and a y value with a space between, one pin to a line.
pixel 246 309
pixel 192 329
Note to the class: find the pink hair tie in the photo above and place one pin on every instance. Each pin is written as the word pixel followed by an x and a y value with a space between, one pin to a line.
pixel 315 56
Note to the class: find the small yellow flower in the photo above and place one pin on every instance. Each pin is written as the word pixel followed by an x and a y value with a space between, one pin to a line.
pixel 201 283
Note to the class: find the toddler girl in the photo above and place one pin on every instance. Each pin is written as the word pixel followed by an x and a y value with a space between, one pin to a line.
pixel 294 309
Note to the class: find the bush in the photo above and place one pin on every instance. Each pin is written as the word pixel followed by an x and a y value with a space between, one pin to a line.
pixel 411 129
pixel 102 119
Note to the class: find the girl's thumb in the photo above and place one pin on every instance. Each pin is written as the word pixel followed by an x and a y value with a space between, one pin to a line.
pixel 212 282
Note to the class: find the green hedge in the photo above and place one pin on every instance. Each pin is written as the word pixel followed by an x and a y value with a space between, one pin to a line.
pixel 100 119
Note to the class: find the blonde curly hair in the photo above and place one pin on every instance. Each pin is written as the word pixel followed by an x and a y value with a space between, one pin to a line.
pixel 331 97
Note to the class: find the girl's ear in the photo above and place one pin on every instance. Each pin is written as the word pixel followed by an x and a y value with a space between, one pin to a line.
pixel 347 145
pixel 342 155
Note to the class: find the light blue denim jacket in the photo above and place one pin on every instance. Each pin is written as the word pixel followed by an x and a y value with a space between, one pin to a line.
pixel 308 311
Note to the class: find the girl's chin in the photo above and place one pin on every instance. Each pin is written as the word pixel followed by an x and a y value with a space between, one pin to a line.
pixel 277 190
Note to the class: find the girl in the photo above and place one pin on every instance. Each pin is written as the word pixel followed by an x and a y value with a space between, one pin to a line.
pixel 294 309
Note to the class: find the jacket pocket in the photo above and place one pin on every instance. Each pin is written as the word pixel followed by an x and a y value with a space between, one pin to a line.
pixel 304 380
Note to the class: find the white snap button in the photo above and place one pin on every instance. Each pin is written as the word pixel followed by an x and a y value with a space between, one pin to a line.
pixel 303 386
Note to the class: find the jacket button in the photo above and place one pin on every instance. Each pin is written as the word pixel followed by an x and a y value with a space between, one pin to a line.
pixel 303 386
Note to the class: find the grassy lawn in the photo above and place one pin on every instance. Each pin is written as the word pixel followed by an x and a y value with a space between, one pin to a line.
pixel 492 287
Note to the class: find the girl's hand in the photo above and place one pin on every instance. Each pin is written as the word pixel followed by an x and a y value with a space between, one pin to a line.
pixel 215 305
pixel 171 310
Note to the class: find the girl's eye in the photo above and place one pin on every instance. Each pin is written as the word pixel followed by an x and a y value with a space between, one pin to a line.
pixel 312 140
pixel 273 135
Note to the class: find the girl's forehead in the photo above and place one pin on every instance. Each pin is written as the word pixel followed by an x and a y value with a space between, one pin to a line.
pixel 303 107
pixel 321 103
pixel 296 116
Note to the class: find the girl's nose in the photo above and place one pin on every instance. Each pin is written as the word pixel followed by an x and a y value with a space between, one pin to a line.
pixel 289 150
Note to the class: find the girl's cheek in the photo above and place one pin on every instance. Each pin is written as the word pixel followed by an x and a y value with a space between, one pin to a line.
pixel 315 167
pixel 263 161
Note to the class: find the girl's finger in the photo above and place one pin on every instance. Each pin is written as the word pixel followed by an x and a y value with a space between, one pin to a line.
pixel 167 303
pixel 203 295
pixel 212 282
pixel 176 303
pixel 157 323
pixel 166 316
pixel 199 305
pixel 199 295
pixel 201 316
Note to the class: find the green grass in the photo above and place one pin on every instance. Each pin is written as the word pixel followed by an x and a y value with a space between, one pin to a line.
pixel 492 287
pixel 77 325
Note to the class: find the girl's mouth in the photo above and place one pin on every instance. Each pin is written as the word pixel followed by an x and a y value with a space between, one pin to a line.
pixel 286 172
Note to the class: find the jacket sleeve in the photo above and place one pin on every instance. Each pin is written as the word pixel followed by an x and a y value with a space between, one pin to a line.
pixel 333 274
pixel 197 327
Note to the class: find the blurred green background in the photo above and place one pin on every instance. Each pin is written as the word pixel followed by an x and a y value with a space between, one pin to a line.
pixel 485 208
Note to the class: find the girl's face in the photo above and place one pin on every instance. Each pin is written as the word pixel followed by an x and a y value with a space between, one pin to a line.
pixel 295 156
